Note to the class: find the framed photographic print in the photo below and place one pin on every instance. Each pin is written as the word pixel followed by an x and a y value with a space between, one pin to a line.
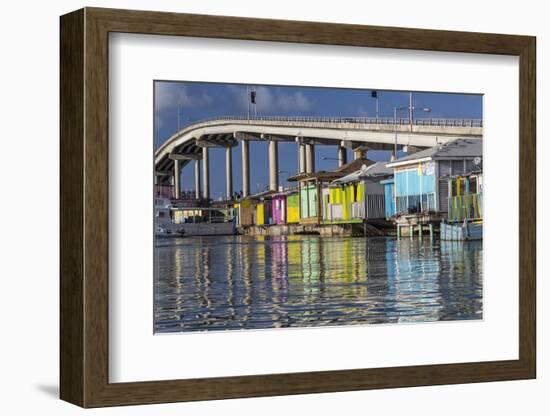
pixel 257 207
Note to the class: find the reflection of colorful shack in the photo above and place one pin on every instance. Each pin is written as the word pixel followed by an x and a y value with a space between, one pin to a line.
pixel 357 196
pixel 421 184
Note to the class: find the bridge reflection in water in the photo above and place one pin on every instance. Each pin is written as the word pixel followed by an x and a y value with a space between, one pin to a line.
pixel 237 282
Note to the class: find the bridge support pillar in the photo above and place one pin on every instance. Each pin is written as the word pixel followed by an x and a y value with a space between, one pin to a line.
pixel 205 173
pixel 177 179
pixel 228 173
pixel 310 158
pixel 197 179
pixel 301 158
pixel 245 167
pixel 342 156
pixel 273 165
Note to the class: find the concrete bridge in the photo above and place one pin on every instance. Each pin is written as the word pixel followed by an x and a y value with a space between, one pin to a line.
pixel 192 143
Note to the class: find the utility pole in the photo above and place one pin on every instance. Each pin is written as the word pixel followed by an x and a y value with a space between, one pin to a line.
pixel 411 108
pixel 395 132
pixel 248 100
pixel 253 101
pixel 374 94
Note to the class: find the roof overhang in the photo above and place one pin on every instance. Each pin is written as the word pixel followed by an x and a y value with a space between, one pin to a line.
pixel 397 163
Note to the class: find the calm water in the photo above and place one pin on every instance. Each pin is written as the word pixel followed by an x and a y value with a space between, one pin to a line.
pixel 236 282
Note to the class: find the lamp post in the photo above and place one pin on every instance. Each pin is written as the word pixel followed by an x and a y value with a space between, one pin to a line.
pixel 374 94
pixel 330 158
pixel 395 110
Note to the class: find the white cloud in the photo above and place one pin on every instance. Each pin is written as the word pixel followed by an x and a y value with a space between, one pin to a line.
pixel 296 101
pixel 271 101
pixel 168 94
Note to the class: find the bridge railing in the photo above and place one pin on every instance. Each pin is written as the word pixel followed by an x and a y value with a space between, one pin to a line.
pixel 443 122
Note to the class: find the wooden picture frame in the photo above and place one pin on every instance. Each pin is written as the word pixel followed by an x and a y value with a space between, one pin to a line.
pixel 84 207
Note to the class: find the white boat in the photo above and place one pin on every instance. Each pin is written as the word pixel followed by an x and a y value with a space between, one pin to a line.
pixel 164 225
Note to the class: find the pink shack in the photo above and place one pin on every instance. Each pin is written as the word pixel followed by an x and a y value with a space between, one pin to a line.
pixel 278 208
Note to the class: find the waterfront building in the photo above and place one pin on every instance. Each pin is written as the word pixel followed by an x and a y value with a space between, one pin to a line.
pixel 312 187
pixel 245 209
pixel 255 210
pixel 421 180
pixel 285 207
pixel 357 196
pixel 278 208
pixel 465 201
pixel 263 204
pixel 292 207
pixel 389 197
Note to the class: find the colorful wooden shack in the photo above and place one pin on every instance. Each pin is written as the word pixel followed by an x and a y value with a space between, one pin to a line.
pixel 246 209
pixel 309 187
pixel 357 196
pixel 314 190
pixel 389 197
pixel 285 207
pixel 278 208
pixel 465 201
pixel 421 179
pixel 293 207
pixel 269 208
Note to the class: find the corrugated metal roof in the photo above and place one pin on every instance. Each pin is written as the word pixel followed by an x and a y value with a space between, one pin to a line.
pixel 353 166
pixel 459 148
pixel 287 192
pixel 377 169
pixel 263 194
pixel 333 174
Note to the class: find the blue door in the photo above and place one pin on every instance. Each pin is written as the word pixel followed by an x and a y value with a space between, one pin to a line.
pixel 389 200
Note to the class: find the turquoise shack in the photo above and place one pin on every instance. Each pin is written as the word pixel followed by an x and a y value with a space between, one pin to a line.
pixel 312 188
pixel 421 182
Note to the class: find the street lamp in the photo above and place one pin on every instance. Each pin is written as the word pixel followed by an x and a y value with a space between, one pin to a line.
pixel 395 110
pixel 332 158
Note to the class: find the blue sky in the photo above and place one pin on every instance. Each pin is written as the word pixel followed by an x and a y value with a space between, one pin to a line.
pixel 198 101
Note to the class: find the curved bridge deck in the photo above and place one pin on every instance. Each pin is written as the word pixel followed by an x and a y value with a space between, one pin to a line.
pixel 356 133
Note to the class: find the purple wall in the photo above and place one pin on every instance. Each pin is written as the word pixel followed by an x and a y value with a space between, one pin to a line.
pixel 278 209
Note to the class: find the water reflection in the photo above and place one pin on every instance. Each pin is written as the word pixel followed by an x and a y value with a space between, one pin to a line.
pixel 217 283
